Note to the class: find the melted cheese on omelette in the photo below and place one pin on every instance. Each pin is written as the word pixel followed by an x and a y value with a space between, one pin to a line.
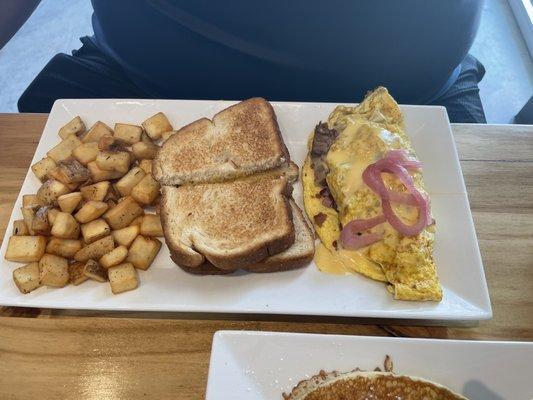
pixel 366 133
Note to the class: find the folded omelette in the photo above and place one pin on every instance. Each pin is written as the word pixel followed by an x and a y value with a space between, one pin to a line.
pixel 364 193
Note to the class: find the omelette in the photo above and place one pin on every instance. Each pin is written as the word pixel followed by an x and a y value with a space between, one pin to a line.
pixel 364 193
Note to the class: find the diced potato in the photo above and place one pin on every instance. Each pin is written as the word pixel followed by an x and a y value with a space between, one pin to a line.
pixel 166 135
pixel 146 191
pixel 122 278
pixel 65 226
pixel 41 168
pixel 146 166
pixel 95 250
pixel 27 277
pixel 64 148
pixel 98 130
pixel 95 230
pixel 70 171
pixel 74 127
pixel 128 181
pixel 69 202
pixel 30 200
pixel 113 161
pixel 86 153
pixel 25 248
pixel 76 274
pixel 137 222
pixel 156 125
pixel 28 213
pixel 142 150
pixel 63 247
pixel 99 174
pixel 94 271
pixel 105 142
pixel 53 270
pixel 52 214
pixel 40 224
pixel 123 213
pixel 129 134
pixel 96 191
pixel 151 225
pixel 49 192
pixel 20 228
pixel 142 252
pixel 90 211
pixel 114 257
pixel 125 236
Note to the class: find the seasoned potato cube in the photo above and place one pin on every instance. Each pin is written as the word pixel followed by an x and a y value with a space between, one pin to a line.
pixel 40 224
pixel 52 214
pixel 128 181
pixel 151 225
pixel 27 277
pixel 137 222
pixel 20 228
pixel 114 257
pixel 63 247
pixel 30 200
pixel 113 161
pixel 125 236
pixel 143 251
pixel 64 148
pixel 86 153
pixel 43 167
pixel 142 150
pixel 90 211
pixel 129 134
pixel 123 213
pixel 53 270
pixel 96 191
pixel 70 171
pixel 156 125
pixel 76 275
pixel 99 174
pixel 106 142
pixel 65 226
pixel 69 202
pixel 49 192
pixel 166 135
pixel 146 166
pixel 146 191
pixel 73 127
pixel 94 271
pixel 95 250
pixel 25 248
pixel 122 278
pixel 28 214
pixel 95 230
pixel 98 130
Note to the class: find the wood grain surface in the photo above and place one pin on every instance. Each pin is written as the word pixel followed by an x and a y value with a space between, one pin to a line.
pixel 53 354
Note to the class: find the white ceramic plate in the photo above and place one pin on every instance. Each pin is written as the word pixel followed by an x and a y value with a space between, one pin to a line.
pixel 165 287
pixel 263 365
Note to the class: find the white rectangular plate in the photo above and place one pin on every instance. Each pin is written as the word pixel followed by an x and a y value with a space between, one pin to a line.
pixel 263 365
pixel 165 287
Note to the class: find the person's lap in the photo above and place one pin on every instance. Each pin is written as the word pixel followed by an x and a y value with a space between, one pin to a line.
pixel 88 73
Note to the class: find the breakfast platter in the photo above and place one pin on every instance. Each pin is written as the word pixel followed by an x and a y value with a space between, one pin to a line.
pixel 266 365
pixel 121 199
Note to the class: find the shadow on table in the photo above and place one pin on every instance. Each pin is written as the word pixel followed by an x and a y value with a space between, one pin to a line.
pixel 476 390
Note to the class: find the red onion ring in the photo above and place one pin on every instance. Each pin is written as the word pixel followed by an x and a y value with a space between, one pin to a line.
pixel 355 242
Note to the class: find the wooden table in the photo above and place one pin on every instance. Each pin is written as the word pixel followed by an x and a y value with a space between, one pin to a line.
pixel 96 355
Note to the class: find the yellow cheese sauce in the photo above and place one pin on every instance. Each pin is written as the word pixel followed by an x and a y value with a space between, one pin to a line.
pixel 345 262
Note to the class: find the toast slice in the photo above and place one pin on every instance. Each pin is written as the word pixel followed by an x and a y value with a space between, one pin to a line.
pixel 241 140
pixel 231 224
pixel 296 256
